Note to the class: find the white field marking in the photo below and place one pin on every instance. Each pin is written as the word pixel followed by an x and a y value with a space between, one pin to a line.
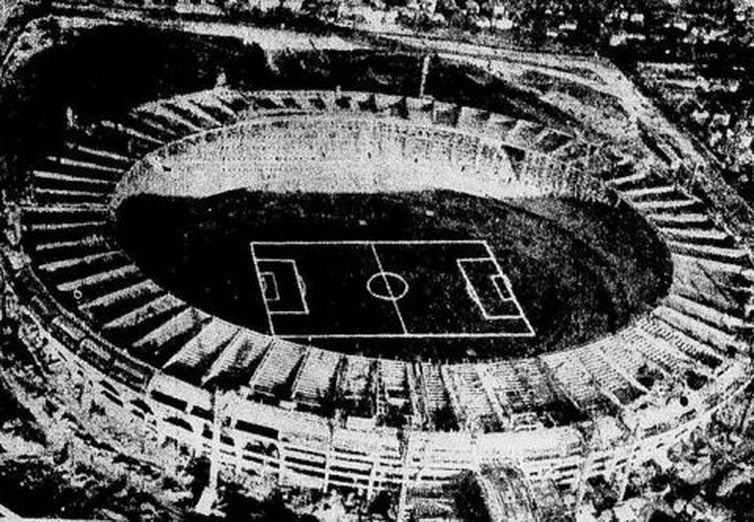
pixel 463 335
pixel 404 242
pixel 532 333
pixel 299 284
pixel 389 289
pixel 268 278
pixel 499 279
pixel 384 276
pixel 259 281
pixel 474 294
pixel 373 243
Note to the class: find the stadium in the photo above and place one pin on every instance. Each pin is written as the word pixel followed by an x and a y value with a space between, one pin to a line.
pixel 328 266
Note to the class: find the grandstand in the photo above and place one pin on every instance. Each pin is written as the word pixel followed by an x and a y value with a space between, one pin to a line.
pixel 68 233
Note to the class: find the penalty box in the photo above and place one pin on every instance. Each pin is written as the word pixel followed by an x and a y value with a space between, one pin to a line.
pixel 392 289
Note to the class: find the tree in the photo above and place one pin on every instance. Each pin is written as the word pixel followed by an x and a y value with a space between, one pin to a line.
pixel 198 470
pixel 238 507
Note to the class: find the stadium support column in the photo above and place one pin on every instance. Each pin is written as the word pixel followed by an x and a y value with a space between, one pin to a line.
pixel 282 467
pixel 217 426
pixel 208 499
pixel 629 464
pixel 586 465
pixel 424 74
pixel 374 472
pixel 477 155
pixel 328 457
pixel 408 461
pixel 474 460
pixel 87 396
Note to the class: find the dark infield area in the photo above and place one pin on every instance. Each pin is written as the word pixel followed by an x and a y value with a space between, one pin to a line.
pixel 579 270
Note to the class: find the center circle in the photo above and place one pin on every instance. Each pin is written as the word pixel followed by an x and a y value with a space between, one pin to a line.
pixel 387 286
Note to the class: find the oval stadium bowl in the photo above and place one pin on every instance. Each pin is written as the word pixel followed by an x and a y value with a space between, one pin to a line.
pixel 359 286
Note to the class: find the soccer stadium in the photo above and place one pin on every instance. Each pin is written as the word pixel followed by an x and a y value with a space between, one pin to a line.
pixel 365 268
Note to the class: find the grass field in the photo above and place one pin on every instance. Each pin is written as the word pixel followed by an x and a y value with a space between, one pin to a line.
pixel 386 289
pixel 577 270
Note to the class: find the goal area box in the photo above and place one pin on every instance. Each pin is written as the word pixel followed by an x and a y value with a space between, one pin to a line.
pixel 391 289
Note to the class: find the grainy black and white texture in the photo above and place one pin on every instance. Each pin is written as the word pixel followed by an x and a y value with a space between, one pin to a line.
pixel 365 261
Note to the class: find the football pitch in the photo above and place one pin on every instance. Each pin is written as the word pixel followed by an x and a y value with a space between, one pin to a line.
pixel 386 289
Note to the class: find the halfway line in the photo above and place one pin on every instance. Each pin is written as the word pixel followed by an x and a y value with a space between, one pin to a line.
pixel 389 289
